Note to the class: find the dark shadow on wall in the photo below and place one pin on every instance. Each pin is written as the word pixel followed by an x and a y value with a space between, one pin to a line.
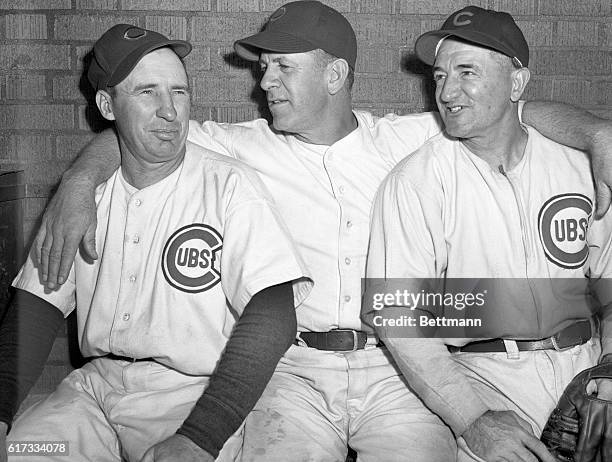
pixel 413 66
pixel 257 95
pixel 94 119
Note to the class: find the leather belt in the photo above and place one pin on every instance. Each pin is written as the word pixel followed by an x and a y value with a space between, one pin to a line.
pixel 126 358
pixel 335 340
pixel 573 335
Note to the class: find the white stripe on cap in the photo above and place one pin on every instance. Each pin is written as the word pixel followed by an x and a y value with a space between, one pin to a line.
pixel 440 43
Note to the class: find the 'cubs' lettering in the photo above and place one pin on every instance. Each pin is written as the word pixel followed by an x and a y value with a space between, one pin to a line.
pixel 568 229
pixel 190 257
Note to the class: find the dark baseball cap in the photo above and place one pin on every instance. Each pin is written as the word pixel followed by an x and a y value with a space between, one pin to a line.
pixel 120 48
pixel 302 26
pixel 491 29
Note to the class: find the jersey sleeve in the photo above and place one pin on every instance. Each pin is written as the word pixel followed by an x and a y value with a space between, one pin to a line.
pixel 399 136
pixel 63 298
pixel 211 135
pixel 400 226
pixel 258 251
pixel 407 242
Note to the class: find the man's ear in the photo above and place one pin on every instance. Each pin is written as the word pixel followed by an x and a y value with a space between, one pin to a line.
pixel 520 78
pixel 105 104
pixel 338 72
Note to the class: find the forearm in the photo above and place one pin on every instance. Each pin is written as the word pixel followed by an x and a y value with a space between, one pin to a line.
pixel 437 379
pixel 261 336
pixel 565 124
pixel 97 161
pixel 26 337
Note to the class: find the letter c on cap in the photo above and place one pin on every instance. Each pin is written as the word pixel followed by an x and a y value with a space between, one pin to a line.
pixel 134 33
pixel 278 14
pixel 457 19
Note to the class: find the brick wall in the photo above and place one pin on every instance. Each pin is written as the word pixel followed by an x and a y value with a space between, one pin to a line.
pixel 45 118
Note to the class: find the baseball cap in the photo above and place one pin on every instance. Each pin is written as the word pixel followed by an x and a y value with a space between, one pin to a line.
pixel 120 48
pixel 302 26
pixel 488 28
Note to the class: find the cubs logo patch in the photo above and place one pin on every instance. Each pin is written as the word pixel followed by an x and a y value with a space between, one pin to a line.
pixel 563 222
pixel 189 260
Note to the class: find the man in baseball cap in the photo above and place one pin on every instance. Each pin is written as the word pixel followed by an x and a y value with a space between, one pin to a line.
pixel 183 318
pixel 490 200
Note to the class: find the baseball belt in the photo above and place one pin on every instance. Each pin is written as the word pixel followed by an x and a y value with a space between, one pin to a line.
pixel 337 340
pixel 575 334
pixel 125 358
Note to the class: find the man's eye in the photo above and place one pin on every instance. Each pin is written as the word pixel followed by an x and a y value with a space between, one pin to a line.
pixel 438 77
pixel 147 91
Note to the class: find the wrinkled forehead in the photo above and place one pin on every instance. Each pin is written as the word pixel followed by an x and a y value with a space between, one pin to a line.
pixel 451 44
pixel 162 63
pixel 456 51
pixel 270 56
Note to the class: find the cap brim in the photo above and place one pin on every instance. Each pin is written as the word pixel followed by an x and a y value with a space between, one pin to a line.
pixel 180 47
pixel 250 48
pixel 425 46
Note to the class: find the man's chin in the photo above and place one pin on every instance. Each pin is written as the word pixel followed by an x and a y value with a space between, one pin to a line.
pixel 279 124
pixel 455 131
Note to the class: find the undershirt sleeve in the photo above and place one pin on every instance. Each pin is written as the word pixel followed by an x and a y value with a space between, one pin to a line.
pixel 27 333
pixel 260 337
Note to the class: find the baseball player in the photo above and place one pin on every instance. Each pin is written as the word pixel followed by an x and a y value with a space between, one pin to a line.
pixel 492 198
pixel 189 306
pixel 322 163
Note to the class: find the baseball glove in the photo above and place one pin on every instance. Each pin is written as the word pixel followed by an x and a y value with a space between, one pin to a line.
pixel 580 427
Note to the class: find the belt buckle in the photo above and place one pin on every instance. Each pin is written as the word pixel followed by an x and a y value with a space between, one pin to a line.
pixel 355 338
pixel 556 346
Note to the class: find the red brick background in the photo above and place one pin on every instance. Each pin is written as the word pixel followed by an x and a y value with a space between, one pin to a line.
pixel 45 120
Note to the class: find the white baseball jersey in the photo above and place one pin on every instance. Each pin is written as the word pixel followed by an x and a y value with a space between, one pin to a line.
pixel 172 255
pixel 445 212
pixel 325 194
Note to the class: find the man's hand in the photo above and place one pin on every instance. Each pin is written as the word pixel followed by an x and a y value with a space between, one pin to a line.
pixel 69 218
pixel 601 162
pixel 504 436
pixel 3 453
pixel 177 448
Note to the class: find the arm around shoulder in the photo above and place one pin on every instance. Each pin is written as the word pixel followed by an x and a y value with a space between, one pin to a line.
pixel 582 130
pixel 70 216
